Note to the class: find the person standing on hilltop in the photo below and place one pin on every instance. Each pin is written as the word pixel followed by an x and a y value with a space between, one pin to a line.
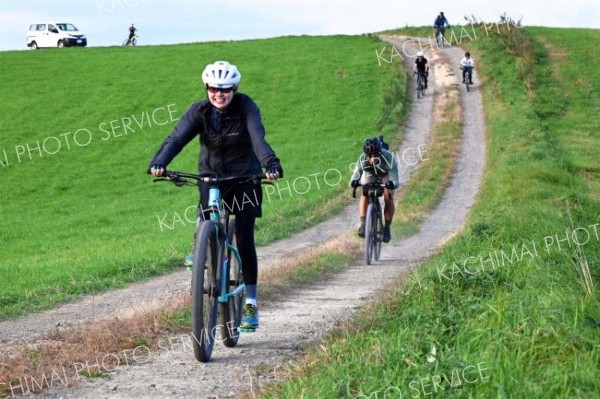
pixel 132 30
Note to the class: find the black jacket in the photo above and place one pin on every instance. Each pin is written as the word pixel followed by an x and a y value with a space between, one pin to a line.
pixel 239 147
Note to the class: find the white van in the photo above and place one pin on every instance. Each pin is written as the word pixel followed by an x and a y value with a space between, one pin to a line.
pixel 54 35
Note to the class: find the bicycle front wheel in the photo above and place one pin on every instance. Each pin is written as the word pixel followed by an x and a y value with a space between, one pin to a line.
pixel 378 231
pixel 230 313
pixel 207 253
pixel 369 236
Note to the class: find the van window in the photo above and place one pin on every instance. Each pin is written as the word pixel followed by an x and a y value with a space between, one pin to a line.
pixel 41 27
pixel 67 27
pixel 52 28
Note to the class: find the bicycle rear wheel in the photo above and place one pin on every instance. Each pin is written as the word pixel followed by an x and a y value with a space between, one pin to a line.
pixel 369 236
pixel 205 290
pixel 230 313
pixel 378 227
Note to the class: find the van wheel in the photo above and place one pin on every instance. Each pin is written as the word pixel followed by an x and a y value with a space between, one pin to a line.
pixel 34 46
pixel 60 44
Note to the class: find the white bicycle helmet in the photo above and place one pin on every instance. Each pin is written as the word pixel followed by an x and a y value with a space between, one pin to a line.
pixel 221 74
pixel 421 54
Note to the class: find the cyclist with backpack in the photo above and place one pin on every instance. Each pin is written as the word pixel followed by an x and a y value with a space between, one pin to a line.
pixel 377 162
pixel 232 143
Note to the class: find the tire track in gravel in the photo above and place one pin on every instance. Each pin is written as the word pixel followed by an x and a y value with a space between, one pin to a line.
pixel 302 317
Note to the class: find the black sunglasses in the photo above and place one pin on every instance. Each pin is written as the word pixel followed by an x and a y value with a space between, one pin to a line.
pixel 225 90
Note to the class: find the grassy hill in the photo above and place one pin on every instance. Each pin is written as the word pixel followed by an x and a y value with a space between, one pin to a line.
pixel 78 213
pixel 510 307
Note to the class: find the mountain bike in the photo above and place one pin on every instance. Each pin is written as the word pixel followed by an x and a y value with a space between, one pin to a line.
pixel 131 42
pixel 420 84
pixel 217 278
pixel 373 221
pixel 439 37
pixel 469 77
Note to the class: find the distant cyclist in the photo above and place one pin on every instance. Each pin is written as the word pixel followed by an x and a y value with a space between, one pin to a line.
pixel 377 163
pixel 132 30
pixel 440 24
pixel 421 66
pixel 467 64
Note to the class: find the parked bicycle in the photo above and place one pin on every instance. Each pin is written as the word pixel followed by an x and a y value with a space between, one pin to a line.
pixel 420 84
pixel 374 220
pixel 217 279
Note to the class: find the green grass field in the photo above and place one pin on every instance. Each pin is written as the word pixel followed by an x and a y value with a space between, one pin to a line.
pixel 79 127
pixel 505 311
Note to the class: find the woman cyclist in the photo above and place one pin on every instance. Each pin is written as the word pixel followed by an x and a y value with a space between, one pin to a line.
pixel 232 143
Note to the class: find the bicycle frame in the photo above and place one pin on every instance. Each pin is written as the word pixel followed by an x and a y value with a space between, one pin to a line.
pixel 373 191
pixel 220 216
pixel 420 84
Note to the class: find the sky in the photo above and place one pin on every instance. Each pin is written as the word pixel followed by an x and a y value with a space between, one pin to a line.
pixel 106 22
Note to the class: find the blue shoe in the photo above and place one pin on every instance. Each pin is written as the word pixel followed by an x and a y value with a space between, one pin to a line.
pixel 250 318
pixel 189 261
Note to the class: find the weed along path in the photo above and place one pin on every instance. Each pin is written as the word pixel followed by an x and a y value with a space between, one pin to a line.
pixel 299 317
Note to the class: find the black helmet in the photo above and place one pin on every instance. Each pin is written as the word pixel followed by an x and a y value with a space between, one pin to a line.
pixel 372 146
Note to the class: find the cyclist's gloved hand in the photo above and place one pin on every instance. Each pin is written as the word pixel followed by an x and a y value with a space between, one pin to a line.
pixel 157 170
pixel 355 183
pixel 274 171
pixel 390 185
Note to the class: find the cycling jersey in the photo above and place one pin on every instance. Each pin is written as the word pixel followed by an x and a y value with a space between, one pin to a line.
pixel 421 64
pixel 385 165
pixel 224 147
pixel 467 62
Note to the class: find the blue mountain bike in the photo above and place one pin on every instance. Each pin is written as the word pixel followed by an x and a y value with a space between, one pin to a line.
pixel 217 278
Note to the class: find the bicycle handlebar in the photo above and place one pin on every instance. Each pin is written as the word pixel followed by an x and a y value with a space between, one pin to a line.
pixel 180 178
pixel 368 184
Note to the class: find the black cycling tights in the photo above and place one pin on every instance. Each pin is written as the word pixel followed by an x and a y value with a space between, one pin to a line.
pixel 244 236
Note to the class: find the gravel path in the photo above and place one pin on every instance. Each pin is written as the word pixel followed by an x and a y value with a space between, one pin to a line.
pixel 303 316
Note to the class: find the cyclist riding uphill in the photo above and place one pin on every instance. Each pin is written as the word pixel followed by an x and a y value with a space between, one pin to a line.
pixel 376 164
pixel 232 143
pixel 467 64
pixel 421 66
